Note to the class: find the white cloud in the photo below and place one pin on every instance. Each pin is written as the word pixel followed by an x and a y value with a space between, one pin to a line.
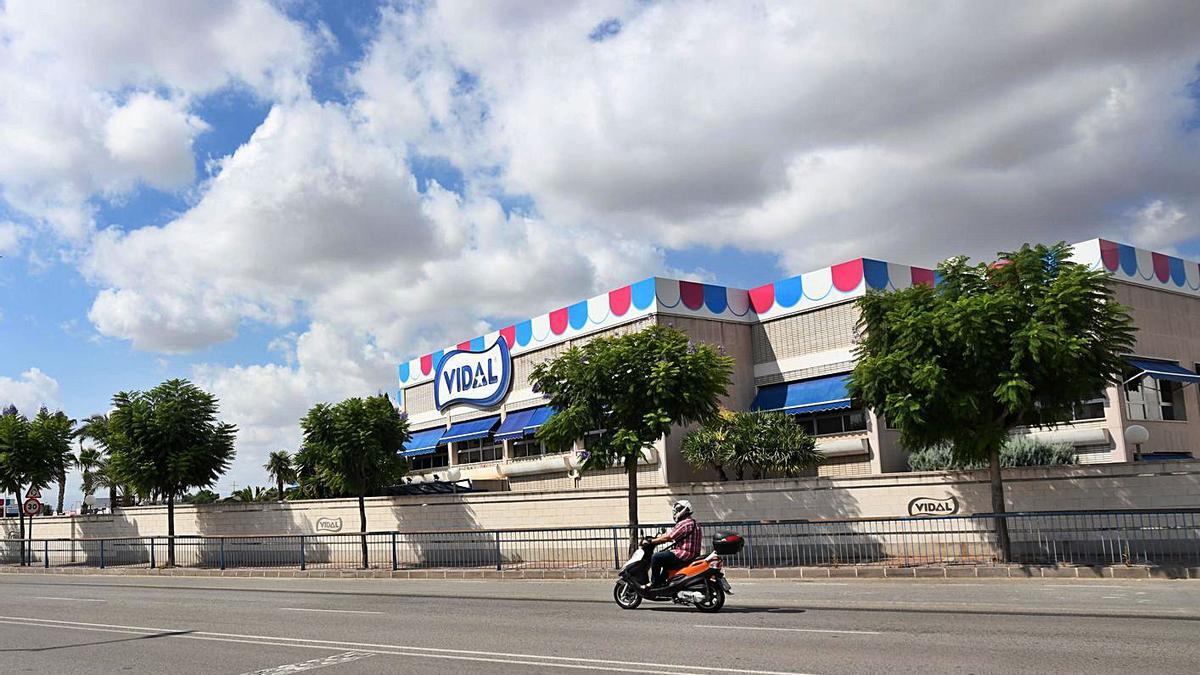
pixel 29 392
pixel 11 235
pixel 1160 226
pixel 85 121
pixel 813 132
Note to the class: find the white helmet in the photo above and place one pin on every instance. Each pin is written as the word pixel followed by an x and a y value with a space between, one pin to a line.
pixel 681 509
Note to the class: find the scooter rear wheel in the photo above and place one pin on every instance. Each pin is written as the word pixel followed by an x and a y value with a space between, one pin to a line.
pixel 626 595
pixel 717 599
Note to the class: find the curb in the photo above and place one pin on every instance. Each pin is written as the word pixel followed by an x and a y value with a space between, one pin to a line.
pixel 783 573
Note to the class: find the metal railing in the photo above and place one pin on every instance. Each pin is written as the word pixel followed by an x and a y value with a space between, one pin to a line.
pixel 1079 538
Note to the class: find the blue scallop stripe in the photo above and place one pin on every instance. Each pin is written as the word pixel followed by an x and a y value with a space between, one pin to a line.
pixel 1178 274
pixel 404 372
pixel 437 358
pixel 876 273
pixel 789 291
pixel 477 344
pixel 715 298
pixel 1128 259
pixel 577 315
pixel 523 332
pixel 642 293
pixel 937 278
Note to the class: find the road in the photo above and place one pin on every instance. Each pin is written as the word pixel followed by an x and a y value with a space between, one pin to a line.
pixel 104 624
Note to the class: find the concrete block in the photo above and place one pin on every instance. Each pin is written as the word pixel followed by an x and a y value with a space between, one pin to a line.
pixel 899 572
pixel 1090 572
pixel 1168 572
pixel 1059 572
pixel 930 572
pixel 960 572
pixel 760 573
pixel 1023 571
pixel 870 572
pixel 843 572
pixel 991 572
pixel 1129 573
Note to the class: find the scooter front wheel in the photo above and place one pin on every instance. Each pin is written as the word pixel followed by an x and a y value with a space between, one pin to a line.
pixel 626 595
pixel 715 601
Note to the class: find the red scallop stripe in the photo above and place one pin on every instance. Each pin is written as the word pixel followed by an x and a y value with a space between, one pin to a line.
pixel 1110 254
pixel 426 364
pixel 618 300
pixel 762 298
pixel 1162 267
pixel 920 275
pixel 558 321
pixel 510 336
pixel 692 294
pixel 847 275
pixel 465 346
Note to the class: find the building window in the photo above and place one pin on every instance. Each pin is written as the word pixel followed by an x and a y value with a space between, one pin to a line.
pixel 592 437
pixel 528 447
pixel 435 460
pixel 833 423
pixel 1091 409
pixel 1153 400
pixel 479 450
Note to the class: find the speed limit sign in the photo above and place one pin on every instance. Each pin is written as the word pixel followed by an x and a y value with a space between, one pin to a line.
pixel 31 507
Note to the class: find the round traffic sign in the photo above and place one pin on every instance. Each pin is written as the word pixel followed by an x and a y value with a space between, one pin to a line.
pixel 31 507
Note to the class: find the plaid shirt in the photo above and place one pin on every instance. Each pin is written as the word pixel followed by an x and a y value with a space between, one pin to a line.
pixel 687 537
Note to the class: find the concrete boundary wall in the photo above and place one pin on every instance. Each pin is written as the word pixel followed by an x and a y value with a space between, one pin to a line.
pixel 1165 485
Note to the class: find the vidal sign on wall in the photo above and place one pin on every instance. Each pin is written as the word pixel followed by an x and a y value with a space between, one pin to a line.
pixel 475 378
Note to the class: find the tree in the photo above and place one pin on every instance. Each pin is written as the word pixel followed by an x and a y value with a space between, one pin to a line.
pixel 353 447
pixel 54 432
pixel 279 468
pixel 27 450
pixel 201 497
pixel 96 428
pixel 634 388
pixel 988 349
pixel 764 442
pixel 166 441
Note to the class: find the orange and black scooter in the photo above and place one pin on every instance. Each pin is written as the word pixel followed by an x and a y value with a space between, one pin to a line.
pixel 701 583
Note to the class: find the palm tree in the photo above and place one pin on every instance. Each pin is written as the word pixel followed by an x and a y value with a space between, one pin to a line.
pixel 279 468
pixel 96 428
pixel 89 462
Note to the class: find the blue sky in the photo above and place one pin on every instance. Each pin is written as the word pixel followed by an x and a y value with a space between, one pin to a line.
pixel 282 200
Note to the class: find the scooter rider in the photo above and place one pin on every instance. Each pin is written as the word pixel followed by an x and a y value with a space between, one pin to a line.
pixel 687 538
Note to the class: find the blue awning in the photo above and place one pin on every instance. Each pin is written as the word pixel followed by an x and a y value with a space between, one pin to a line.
pixel 513 426
pixel 1163 370
pixel 538 418
pixel 471 430
pixel 809 396
pixel 423 442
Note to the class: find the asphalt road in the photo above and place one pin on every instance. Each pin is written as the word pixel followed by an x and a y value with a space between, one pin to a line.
pixel 95 624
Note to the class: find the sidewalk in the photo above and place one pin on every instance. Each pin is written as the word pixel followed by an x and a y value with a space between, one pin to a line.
pixel 792 573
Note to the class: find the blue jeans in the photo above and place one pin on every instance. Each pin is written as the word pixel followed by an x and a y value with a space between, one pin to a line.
pixel 660 563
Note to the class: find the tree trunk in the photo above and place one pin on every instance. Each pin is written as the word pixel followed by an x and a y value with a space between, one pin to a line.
pixel 1003 545
pixel 721 473
pixel 112 498
pixel 631 472
pixel 362 527
pixel 279 486
pixel 21 526
pixel 62 490
pixel 171 530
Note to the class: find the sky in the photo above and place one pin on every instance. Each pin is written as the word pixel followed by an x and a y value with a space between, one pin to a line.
pixel 282 201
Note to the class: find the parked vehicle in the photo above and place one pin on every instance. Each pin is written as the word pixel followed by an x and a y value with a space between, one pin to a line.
pixel 700 583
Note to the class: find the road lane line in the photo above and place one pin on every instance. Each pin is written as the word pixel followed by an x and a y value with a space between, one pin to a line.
pixel 341 611
pixel 795 630
pixel 1084 584
pixel 576 663
pixel 313 664
pixel 48 597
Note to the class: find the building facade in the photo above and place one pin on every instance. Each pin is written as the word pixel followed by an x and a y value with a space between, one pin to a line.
pixel 474 414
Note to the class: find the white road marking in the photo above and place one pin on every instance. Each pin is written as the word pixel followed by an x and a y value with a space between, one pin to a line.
pixel 313 664
pixel 340 611
pixel 48 597
pixel 796 630
pixel 570 662
pixel 823 583
pixel 1083 584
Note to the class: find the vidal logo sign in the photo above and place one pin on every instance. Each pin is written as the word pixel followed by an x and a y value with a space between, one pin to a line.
pixel 475 378
pixel 926 506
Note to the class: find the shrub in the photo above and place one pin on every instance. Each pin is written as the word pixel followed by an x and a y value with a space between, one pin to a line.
pixel 1014 453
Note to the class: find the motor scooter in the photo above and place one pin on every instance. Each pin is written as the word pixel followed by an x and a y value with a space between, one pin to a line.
pixel 700 583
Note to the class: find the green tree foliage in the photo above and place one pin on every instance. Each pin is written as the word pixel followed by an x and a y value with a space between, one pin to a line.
pixel 53 432
pixel 634 387
pixel 29 455
pixel 166 441
pixel 201 497
pixel 279 468
pixel 762 443
pixel 1016 452
pixel 102 474
pixel 990 348
pixel 353 448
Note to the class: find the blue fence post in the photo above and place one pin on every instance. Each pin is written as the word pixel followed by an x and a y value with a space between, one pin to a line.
pixel 616 551
pixel 46 553
pixel 101 554
pixel 301 551
pixel 152 564
pixel 499 560
pixel 395 565
pixel 221 554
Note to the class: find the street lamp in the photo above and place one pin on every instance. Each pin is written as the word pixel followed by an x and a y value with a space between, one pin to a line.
pixel 1136 434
